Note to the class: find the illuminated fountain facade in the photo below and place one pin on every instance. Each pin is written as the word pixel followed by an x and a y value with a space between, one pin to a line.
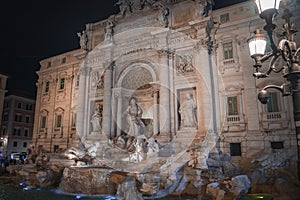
pixel 153 98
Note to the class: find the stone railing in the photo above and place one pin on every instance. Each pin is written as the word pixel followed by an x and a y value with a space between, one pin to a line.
pixel 233 118
pixel 234 123
pixel 274 120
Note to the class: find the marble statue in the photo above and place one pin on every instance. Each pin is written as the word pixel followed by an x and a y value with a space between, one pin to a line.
pixel 164 14
pixel 144 2
pixel 83 40
pixel 109 31
pixel 134 118
pixel 139 154
pixel 96 119
pixel 86 152
pixel 188 112
pixel 208 7
pixel 152 146
pixel 124 5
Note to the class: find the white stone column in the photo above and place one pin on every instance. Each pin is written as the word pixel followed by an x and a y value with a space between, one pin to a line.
pixel 164 114
pixel 107 115
pixel 114 115
pixel 155 110
pixel 81 116
pixel 119 111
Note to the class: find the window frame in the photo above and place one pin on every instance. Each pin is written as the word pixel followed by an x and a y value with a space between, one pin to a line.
pixel 62 84
pixel 228 52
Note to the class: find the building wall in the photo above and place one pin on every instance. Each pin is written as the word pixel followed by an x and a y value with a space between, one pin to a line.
pixel 3 80
pixel 17 122
pixel 56 101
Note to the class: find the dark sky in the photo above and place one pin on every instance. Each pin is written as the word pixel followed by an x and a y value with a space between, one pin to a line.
pixel 32 30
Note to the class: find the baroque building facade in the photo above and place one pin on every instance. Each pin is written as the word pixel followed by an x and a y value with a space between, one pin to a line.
pixel 156 52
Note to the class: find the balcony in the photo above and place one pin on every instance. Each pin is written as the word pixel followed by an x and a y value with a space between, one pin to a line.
pixel 234 123
pixel 274 120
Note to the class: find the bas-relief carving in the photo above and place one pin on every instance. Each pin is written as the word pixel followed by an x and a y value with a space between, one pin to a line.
pixel 97 80
pixel 184 64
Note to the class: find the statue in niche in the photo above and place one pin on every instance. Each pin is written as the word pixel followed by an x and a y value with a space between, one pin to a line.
pixel 188 112
pixel 124 5
pixel 109 31
pixel 164 14
pixel 96 119
pixel 184 64
pixel 134 118
pixel 83 40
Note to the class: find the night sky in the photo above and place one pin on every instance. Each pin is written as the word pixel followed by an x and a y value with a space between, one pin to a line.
pixel 36 29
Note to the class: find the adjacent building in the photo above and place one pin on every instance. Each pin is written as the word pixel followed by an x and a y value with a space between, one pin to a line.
pixel 158 54
pixel 17 122
pixel 3 80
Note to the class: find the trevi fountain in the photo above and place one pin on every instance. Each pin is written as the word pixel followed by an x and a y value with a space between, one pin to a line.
pixel 148 116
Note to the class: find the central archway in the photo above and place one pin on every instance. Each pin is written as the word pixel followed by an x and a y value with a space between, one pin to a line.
pixel 136 80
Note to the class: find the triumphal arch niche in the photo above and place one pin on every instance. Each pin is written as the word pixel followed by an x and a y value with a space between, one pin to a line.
pixel 146 86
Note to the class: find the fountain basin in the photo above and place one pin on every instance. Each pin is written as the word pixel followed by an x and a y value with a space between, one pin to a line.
pixel 87 180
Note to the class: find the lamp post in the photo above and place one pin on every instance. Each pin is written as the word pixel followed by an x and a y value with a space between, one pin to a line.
pixel 287 50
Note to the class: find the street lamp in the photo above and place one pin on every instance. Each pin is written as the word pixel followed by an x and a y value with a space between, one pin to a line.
pixel 287 50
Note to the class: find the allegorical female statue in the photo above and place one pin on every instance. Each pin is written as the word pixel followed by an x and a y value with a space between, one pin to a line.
pixel 96 119
pixel 188 112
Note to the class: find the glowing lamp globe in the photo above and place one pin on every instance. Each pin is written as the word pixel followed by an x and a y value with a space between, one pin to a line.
pixel 257 44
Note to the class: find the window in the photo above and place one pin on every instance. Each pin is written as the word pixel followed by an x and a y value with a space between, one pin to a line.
pixel 277 145
pixel 74 116
pixel 47 84
pixel 18 117
pixel 19 105
pixel 77 81
pixel 235 149
pixel 48 64
pixel 224 18
pixel 17 131
pixel 27 119
pixel 24 144
pixel 232 105
pixel 26 132
pixel 43 122
pixel 28 107
pixel 62 84
pixel 58 121
pixel 227 50
pixel 63 60
pixel 273 105
pixel 15 144
pixel 5 117
pixel 55 148
pixel 3 130
pixel 1 144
